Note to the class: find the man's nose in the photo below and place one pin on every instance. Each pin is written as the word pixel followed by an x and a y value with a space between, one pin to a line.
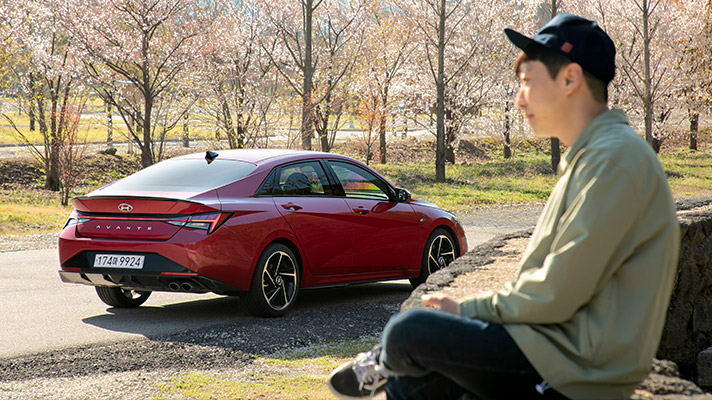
pixel 519 99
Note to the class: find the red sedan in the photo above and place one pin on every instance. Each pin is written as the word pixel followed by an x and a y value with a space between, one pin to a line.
pixel 261 224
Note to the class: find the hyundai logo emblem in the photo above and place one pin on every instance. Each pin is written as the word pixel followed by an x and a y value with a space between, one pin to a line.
pixel 125 207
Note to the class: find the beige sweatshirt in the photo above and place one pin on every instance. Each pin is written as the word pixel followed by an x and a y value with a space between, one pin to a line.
pixel 588 304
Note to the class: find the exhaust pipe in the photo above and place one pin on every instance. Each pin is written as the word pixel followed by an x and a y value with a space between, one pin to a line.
pixel 174 286
pixel 186 286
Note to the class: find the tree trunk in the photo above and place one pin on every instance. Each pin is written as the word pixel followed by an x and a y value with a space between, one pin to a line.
pixel 109 125
pixel 323 132
pixel 240 136
pixel 322 121
pixel 694 118
pixel 555 154
pixel 555 147
pixel 507 153
pixel 648 103
pixel 440 110
pixel 382 137
pixel 147 145
pixel 31 114
pixel 307 130
pixel 186 132
pixel 382 124
pixel 146 149
pixel 52 182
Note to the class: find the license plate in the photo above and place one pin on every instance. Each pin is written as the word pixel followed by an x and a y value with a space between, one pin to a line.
pixel 118 261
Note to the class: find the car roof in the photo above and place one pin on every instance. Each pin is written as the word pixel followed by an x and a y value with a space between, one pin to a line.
pixel 263 156
pixel 259 156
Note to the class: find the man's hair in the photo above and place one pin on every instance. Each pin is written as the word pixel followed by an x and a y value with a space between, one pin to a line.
pixel 554 62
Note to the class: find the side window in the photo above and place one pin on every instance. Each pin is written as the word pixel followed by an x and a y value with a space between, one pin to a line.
pixel 302 179
pixel 359 183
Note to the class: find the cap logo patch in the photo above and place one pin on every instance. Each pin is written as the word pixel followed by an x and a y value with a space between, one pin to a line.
pixel 567 47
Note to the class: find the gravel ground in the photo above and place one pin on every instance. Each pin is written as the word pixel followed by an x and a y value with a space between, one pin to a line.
pixel 28 242
pixel 136 369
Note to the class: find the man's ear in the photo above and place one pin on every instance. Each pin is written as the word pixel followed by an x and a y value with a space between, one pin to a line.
pixel 573 78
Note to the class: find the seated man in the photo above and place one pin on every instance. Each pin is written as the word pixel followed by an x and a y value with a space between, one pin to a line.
pixel 583 317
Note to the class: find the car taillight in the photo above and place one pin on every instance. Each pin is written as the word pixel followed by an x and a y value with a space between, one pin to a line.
pixel 75 219
pixel 209 222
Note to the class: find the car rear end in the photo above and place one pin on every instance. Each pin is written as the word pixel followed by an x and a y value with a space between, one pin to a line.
pixel 157 230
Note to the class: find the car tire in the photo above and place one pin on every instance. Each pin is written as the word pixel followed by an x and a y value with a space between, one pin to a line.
pixel 121 298
pixel 275 282
pixel 439 252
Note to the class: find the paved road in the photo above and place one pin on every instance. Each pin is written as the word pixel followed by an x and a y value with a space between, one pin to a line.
pixel 38 312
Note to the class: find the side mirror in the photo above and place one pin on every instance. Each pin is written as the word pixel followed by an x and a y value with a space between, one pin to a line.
pixel 402 195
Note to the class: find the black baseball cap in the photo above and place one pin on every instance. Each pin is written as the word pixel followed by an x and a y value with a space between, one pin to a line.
pixel 582 41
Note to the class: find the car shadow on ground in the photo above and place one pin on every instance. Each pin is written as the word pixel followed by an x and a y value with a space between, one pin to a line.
pixel 217 332
pixel 319 315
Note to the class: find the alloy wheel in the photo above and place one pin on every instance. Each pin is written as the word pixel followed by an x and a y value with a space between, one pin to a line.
pixel 441 253
pixel 279 280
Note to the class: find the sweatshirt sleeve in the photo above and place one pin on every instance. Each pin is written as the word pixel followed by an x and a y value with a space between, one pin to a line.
pixel 602 205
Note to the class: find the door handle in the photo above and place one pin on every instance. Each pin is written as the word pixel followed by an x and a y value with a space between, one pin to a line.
pixel 360 210
pixel 291 207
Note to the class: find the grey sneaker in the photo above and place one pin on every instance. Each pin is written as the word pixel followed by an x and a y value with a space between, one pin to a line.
pixel 359 378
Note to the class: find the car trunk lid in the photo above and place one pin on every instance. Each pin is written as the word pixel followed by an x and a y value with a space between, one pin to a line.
pixel 140 218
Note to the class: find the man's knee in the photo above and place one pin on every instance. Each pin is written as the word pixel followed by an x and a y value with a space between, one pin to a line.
pixel 406 326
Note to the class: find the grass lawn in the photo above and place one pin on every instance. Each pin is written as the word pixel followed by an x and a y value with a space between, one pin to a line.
pixel 293 374
pixel 31 212
pixel 525 178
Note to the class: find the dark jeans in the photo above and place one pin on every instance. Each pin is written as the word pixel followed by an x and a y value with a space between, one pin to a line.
pixel 443 356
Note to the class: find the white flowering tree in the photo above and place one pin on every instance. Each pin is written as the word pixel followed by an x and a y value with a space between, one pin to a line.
pixel 452 70
pixel 650 75
pixel 380 78
pixel 46 65
pixel 314 45
pixel 137 51
pixel 237 83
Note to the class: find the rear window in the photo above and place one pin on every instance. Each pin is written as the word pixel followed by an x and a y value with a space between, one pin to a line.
pixel 184 175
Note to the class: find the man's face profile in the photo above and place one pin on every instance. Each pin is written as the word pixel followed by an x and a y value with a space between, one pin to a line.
pixel 539 97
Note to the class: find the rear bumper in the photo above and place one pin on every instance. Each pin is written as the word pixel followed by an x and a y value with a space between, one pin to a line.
pixel 159 274
pixel 153 282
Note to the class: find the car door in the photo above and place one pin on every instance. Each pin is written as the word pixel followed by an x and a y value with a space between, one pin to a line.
pixel 385 231
pixel 321 221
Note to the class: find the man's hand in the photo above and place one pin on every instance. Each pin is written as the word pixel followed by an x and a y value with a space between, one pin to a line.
pixel 442 302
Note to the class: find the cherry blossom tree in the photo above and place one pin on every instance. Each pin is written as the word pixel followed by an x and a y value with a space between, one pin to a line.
pixel 47 65
pixel 137 52
pixel 456 42
pixel 237 83
pixel 387 48
pixel 697 61
pixel 314 46
pixel 649 49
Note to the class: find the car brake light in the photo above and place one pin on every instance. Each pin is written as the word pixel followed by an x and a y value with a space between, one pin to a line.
pixel 75 219
pixel 209 222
